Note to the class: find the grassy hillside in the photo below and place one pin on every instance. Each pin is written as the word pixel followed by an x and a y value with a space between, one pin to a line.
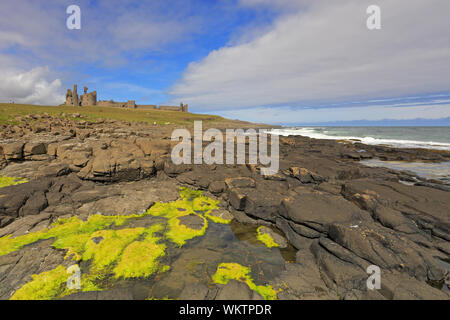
pixel 8 112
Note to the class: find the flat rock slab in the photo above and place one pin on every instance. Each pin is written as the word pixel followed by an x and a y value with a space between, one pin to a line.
pixel 221 213
pixel 192 221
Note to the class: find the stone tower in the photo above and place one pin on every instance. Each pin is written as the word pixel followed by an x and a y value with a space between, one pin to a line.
pixel 75 96
pixel 69 98
pixel 88 99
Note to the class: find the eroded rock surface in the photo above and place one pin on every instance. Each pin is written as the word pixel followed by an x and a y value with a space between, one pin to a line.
pixel 339 215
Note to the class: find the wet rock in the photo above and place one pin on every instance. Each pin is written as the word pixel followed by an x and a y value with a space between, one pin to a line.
pixel 277 238
pixel 111 294
pixel 192 221
pixel 97 240
pixel 351 155
pixel 305 175
pixel 222 214
pixel 16 268
pixel 234 290
pixel 194 292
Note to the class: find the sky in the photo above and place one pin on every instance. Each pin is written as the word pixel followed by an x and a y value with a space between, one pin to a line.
pixel 284 62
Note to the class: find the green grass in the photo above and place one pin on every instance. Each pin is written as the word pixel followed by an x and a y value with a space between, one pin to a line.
pixel 8 113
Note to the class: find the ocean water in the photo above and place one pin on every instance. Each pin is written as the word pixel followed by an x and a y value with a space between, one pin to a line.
pixel 402 137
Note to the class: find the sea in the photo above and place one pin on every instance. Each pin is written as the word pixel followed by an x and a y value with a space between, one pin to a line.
pixel 400 137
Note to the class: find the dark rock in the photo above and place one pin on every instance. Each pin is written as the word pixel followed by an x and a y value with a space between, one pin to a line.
pixel 318 210
pixel 277 238
pixel 221 213
pixel 240 182
pixel 194 292
pixel 234 290
pixel 217 187
pixel 16 268
pixel 192 221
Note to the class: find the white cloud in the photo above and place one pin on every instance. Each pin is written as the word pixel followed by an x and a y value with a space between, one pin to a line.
pixel 323 52
pixel 30 87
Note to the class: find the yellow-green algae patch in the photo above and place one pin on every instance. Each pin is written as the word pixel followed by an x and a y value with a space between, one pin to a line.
pixel 227 271
pixel 112 253
pixel 6 181
pixel 73 233
pixel 191 202
pixel 217 219
pixel 69 233
pixel 266 239
pixel 141 258
pixel 110 245
pixel 44 286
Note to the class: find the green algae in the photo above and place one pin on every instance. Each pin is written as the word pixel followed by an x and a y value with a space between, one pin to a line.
pixel 44 286
pixel 6 181
pixel 112 253
pixel 266 239
pixel 227 271
pixel 108 250
pixel 73 233
pixel 217 219
pixel 141 258
pixel 191 202
pixel 69 233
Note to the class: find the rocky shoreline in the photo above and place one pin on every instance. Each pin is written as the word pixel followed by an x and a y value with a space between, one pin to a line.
pixel 338 215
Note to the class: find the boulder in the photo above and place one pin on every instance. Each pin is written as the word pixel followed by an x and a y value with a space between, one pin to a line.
pixel 13 150
pixel 34 148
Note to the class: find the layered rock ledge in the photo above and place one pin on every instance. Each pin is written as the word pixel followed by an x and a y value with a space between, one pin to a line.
pixel 340 216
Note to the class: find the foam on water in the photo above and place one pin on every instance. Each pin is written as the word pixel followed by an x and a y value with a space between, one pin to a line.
pixel 327 133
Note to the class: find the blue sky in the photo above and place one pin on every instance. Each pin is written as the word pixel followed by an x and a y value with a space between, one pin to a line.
pixel 273 61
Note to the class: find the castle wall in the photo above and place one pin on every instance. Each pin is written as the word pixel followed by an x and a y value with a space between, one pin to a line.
pixel 103 103
pixel 146 106
pixel 170 108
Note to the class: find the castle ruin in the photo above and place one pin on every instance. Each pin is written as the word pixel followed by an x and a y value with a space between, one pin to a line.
pixel 86 99
pixel 90 99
